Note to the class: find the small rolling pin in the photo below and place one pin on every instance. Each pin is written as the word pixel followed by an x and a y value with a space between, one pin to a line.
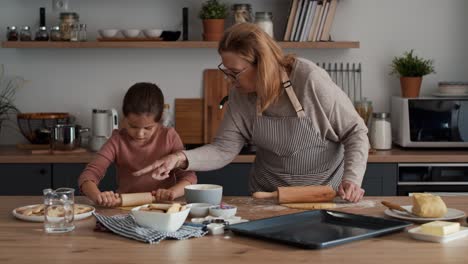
pixel 135 199
pixel 299 194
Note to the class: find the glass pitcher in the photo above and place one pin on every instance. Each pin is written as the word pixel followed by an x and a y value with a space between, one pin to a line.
pixel 59 210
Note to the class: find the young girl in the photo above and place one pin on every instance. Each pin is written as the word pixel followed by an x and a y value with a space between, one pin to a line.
pixel 134 148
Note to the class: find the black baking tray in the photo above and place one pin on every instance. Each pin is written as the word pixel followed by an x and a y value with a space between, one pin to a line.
pixel 318 229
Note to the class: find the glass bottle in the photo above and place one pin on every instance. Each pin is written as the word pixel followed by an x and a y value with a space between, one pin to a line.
pixel 12 33
pixel 381 131
pixel 42 34
pixel 242 13
pixel 74 36
pixel 25 34
pixel 55 34
pixel 67 20
pixel 364 109
pixel 263 20
pixel 82 35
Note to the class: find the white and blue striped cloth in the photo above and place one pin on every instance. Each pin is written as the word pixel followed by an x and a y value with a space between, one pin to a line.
pixel 126 226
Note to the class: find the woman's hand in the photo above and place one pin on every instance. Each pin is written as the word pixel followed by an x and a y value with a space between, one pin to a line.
pixel 164 194
pixel 161 168
pixel 350 191
pixel 107 199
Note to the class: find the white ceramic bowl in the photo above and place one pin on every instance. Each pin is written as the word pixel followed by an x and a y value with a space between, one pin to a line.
pixel 131 33
pixel 199 209
pixel 152 33
pixel 160 221
pixel 225 211
pixel 204 193
pixel 108 33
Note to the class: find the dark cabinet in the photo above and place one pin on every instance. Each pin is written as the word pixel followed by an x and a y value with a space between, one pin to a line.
pixel 380 179
pixel 66 175
pixel 25 179
pixel 234 178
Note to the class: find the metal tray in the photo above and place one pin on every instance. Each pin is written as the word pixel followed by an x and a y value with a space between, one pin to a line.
pixel 319 228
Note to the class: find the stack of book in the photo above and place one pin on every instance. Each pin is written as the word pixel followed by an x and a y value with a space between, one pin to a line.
pixel 310 20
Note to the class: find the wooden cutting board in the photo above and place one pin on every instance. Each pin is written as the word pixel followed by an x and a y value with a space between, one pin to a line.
pixel 189 120
pixel 215 89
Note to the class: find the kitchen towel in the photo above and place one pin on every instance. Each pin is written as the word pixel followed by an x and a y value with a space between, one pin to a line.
pixel 126 226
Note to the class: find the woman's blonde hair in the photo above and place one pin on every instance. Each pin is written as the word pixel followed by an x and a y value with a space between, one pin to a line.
pixel 255 46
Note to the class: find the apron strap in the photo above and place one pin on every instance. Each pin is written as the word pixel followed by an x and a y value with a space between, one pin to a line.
pixel 287 85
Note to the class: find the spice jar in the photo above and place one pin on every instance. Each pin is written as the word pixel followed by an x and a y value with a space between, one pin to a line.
pixel 242 13
pixel 67 20
pixel 263 20
pixel 364 109
pixel 381 131
pixel 25 34
pixel 75 32
pixel 55 34
pixel 42 34
pixel 12 33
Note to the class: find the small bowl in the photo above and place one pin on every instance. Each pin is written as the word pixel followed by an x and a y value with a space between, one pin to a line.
pixel 204 193
pixel 455 88
pixel 131 33
pixel 224 211
pixel 170 35
pixel 108 33
pixel 199 209
pixel 152 33
pixel 160 221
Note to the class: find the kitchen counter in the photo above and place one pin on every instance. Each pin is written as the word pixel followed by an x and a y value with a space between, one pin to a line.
pixel 25 242
pixel 10 154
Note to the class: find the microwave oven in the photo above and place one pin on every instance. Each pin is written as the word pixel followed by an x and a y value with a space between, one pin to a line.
pixel 430 122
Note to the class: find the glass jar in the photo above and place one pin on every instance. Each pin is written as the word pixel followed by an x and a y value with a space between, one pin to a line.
pixel 67 20
pixel 263 20
pixel 42 34
pixel 364 109
pixel 381 131
pixel 12 33
pixel 242 13
pixel 166 118
pixel 82 35
pixel 25 34
pixel 55 34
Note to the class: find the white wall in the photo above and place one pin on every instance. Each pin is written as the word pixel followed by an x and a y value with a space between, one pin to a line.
pixel 76 81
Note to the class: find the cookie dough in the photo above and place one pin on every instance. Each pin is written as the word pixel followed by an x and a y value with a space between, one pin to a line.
pixel 310 206
pixel 428 205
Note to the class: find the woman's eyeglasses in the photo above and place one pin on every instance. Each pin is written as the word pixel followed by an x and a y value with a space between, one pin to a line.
pixel 234 77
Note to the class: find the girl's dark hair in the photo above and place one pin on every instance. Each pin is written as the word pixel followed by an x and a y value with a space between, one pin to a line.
pixel 143 98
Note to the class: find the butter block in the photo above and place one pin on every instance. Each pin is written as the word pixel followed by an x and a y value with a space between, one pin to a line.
pixel 440 228
pixel 428 205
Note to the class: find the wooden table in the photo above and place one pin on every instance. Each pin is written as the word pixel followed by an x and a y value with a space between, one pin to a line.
pixel 25 242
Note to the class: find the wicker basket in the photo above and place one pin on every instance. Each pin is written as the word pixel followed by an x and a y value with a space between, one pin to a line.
pixel 33 126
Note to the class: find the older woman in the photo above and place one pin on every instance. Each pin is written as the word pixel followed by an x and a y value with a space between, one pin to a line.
pixel 305 128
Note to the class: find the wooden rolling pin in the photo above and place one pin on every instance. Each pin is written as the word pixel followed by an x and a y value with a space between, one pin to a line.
pixel 135 199
pixel 299 194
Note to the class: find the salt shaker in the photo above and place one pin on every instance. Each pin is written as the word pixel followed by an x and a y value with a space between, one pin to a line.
pixel 381 131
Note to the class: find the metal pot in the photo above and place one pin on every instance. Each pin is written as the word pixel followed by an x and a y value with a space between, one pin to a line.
pixel 66 137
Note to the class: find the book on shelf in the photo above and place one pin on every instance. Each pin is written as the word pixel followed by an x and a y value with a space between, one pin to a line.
pixel 329 20
pixel 296 18
pixel 316 21
pixel 300 21
pixel 308 20
pixel 291 17
pixel 326 5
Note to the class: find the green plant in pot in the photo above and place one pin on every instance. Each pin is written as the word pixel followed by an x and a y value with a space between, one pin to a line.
pixel 8 87
pixel 213 14
pixel 411 68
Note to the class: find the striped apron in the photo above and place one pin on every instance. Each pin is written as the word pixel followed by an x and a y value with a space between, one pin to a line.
pixel 291 152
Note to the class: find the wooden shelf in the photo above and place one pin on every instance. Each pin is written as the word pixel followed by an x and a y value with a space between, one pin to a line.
pixel 164 44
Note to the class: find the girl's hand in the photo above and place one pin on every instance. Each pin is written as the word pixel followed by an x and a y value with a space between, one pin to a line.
pixel 160 169
pixel 350 191
pixel 164 194
pixel 107 199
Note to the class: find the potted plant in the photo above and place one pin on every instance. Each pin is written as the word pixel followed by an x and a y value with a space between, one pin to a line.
pixel 411 69
pixel 213 14
pixel 8 87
